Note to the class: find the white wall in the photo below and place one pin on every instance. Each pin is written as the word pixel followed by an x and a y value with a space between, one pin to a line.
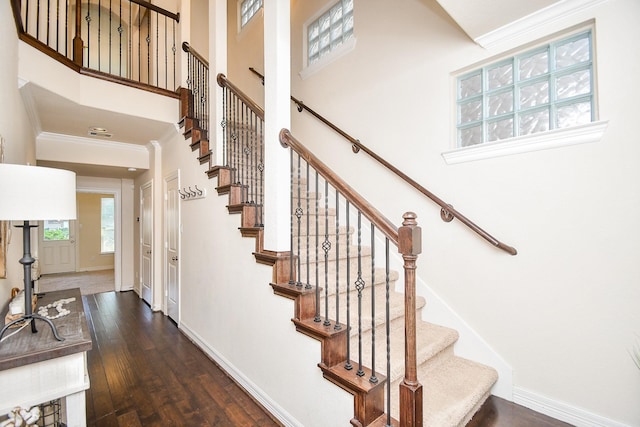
pixel 19 142
pixel 563 312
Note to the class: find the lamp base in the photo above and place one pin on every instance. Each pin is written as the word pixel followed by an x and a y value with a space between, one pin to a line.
pixel 32 317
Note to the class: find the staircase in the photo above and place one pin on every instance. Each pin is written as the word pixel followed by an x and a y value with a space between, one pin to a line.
pixel 454 388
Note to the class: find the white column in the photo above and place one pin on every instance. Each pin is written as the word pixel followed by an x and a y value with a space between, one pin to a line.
pixel 277 67
pixel 218 64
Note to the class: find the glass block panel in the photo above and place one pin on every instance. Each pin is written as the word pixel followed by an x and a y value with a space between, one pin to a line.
pixel 500 129
pixel 500 103
pixel 336 13
pixel 578 83
pixel 573 114
pixel 534 65
pixel 533 122
pixel 573 52
pixel 325 23
pixel 499 76
pixel 336 33
pixel 534 94
pixel 325 40
pixel 470 111
pixel 470 86
pixel 314 31
pixel 470 136
pixel 314 48
pixel 348 25
pixel 347 5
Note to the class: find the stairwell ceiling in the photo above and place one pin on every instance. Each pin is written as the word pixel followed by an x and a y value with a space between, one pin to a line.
pixel 55 114
pixel 480 17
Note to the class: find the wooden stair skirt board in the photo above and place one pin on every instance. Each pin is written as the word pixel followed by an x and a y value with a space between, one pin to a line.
pixel 453 388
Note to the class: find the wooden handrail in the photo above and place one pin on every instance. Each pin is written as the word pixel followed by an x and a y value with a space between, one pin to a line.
pixel 187 48
pixel 447 213
pixel 161 11
pixel 371 213
pixel 224 82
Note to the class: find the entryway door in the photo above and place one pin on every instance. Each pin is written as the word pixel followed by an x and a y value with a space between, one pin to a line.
pixel 146 241
pixel 172 245
pixel 57 253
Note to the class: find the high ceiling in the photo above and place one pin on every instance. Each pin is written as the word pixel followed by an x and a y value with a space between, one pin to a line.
pixel 480 17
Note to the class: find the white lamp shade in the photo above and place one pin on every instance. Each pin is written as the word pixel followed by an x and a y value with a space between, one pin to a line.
pixel 34 193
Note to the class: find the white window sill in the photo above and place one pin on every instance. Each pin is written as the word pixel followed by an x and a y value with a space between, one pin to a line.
pixel 591 132
pixel 339 52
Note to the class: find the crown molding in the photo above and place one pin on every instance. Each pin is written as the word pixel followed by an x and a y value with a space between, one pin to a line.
pixel 71 139
pixel 561 10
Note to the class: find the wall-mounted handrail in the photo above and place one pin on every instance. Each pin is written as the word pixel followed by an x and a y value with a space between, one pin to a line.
pixel 447 213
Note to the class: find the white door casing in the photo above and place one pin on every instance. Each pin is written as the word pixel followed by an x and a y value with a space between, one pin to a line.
pixel 146 241
pixel 172 246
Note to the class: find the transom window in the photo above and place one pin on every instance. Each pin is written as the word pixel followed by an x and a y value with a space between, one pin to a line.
pixel 248 9
pixel 550 87
pixel 330 30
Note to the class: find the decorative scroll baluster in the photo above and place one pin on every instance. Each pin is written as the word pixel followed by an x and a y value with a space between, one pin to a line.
pixel 298 213
pixel 317 282
pixel 326 247
pixel 359 285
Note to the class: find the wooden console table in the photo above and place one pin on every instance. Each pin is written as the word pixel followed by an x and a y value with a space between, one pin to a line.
pixel 36 368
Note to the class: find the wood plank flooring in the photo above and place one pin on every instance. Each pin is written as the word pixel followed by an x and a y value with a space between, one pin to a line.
pixel 145 372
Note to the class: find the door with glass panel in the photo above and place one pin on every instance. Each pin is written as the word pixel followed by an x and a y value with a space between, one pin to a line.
pixel 57 253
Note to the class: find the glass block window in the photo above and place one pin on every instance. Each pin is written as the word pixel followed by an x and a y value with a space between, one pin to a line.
pixel 550 87
pixel 330 30
pixel 248 9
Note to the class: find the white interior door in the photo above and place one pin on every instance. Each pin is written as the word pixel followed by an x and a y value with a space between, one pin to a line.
pixel 146 241
pixel 172 233
pixel 57 252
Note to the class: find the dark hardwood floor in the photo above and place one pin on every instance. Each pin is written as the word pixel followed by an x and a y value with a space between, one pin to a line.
pixel 145 372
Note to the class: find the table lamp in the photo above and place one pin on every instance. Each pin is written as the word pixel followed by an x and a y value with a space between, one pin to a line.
pixel 34 193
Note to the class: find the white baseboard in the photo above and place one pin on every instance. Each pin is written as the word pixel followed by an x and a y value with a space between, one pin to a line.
pixel 258 394
pixel 561 411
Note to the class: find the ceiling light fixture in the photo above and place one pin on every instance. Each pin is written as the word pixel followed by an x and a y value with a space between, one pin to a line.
pixel 132 169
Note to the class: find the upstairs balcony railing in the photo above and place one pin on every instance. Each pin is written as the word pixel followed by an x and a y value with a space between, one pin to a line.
pixel 132 42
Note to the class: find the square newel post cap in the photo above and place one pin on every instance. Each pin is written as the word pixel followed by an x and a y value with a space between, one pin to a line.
pixel 410 235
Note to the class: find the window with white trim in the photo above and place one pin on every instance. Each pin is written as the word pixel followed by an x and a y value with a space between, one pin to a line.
pixel 107 225
pixel 549 87
pixel 248 9
pixel 330 30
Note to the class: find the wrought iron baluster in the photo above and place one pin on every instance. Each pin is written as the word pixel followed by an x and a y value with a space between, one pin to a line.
pixel 326 247
pixel 298 214
pixel 261 170
pixel 359 285
pixel 337 326
pixel 317 234
pixel 388 327
pixel 307 211
pixel 110 36
pixel 348 366
pixel 373 379
pixel 291 258
pixel 99 34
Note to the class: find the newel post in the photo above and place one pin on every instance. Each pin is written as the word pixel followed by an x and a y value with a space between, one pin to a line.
pixel 77 40
pixel 410 245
